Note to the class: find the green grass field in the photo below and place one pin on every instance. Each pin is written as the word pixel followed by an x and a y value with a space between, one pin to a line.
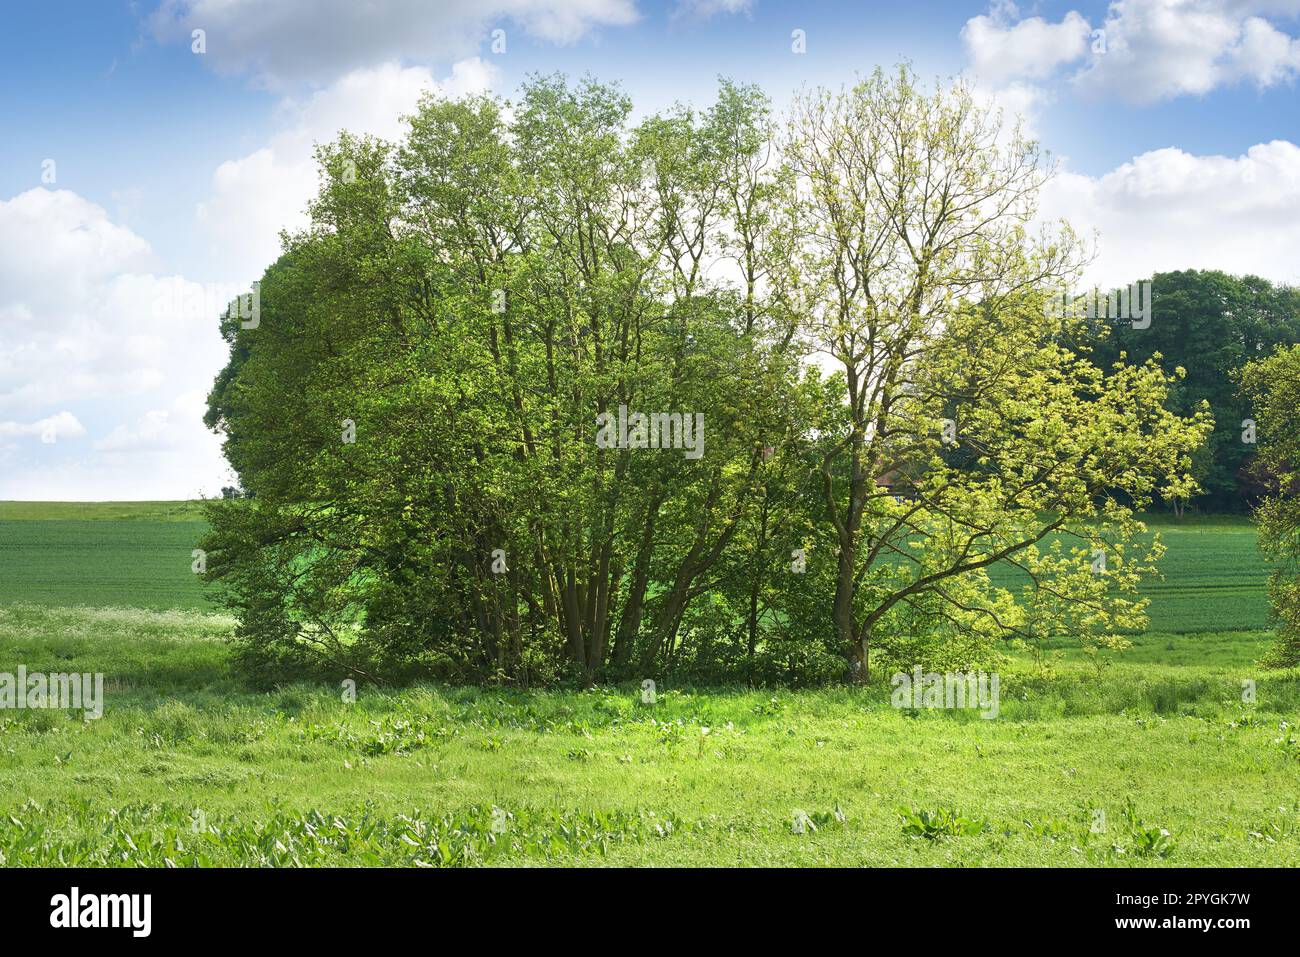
pixel 1084 765
pixel 1212 576
pixel 138 554
pixel 130 554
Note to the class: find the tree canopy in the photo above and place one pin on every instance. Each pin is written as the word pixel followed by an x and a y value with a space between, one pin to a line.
pixel 544 392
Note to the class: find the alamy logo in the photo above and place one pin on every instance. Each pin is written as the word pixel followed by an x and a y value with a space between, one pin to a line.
pixel 658 430
pixel 1132 302
pixel 60 692
pixel 103 910
pixel 179 299
pixel 973 689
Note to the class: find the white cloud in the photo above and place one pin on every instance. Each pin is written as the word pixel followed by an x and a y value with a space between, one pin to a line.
pixel 1168 209
pixel 1000 51
pixel 1007 53
pixel 1147 50
pixel 87 326
pixel 42 232
pixel 257 195
pixel 110 339
pixel 1021 105
pixel 64 425
pixel 163 454
pixel 150 432
pixel 281 41
pixel 88 332
pixel 176 472
pixel 159 429
pixel 1158 49
pixel 71 282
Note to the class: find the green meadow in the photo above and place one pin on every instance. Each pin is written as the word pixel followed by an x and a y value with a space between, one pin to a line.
pixel 1145 758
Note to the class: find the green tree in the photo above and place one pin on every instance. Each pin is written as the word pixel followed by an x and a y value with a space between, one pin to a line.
pixel 422 416
pixel 418 413
pixel 1272 384
pixel 1209 324
pixel 918 278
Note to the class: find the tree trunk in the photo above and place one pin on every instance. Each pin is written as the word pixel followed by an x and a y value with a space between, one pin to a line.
pixel 757 578
pixel 630 621
pixel 573 620
pixel 842 616
pixel 859 666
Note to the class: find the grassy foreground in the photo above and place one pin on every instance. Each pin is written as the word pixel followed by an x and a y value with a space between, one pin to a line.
pixel 1152 759
pixel 1080 768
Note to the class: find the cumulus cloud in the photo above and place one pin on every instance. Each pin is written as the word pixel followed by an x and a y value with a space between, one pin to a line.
pixel 87 327
pixel 84 317
pixel 64 425
pixel 149 432
pixel 284 41
pixel 90 330
pixel 175 472
pixel 162 454
pixel 1168 209
pixel 255 196
pixel 41 233
pixel 1158 49
pixel 1033 48
pixel 1144 50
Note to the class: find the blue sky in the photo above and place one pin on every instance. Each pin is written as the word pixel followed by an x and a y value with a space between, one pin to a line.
pixel 1175 123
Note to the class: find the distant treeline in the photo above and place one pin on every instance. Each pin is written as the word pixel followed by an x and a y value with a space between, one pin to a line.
pixel 1211 324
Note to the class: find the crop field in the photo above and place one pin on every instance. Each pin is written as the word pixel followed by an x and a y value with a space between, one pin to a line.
pixel 134 554
pixel 1149 758
pixel 1213 578
pixel 138 554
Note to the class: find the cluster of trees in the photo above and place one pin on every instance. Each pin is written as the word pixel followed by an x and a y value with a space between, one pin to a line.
pixel 1211 325
pixel 853 301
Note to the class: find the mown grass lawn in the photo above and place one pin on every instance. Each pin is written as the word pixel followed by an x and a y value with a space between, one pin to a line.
pixel 188 767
